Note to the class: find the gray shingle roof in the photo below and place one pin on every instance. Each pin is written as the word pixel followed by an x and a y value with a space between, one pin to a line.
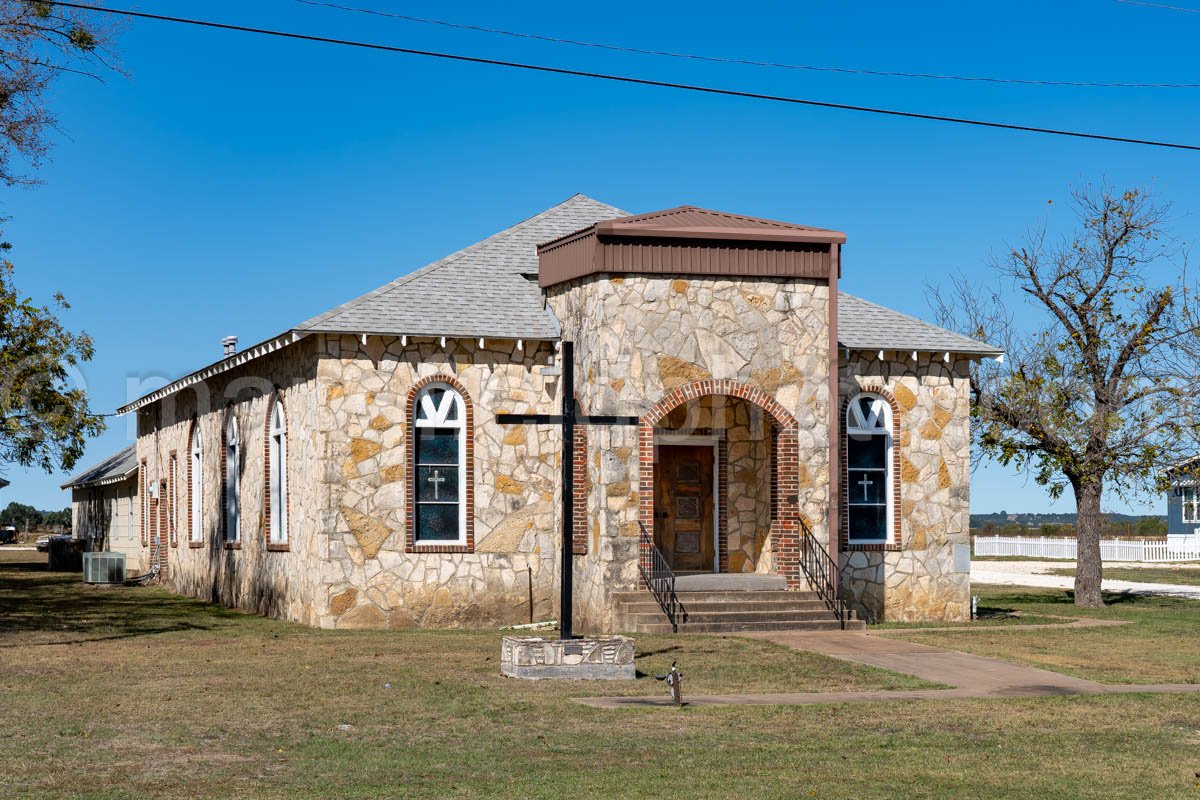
pixel 112 469
pixel 481 290
pixel 490 290
pixel 866 326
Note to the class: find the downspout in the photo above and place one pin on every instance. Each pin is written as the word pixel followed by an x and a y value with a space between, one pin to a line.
pixel 833 520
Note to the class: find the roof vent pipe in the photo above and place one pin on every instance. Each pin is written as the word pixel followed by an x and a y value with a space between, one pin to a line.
pixel 229 346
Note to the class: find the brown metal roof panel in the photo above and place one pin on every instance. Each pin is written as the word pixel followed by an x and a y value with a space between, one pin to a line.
pixel 693 216
pixel 721 232
pixel 712 259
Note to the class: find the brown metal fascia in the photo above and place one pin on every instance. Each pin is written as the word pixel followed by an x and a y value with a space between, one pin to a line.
pixel 566 239
pixel 834 517
pixel 614 229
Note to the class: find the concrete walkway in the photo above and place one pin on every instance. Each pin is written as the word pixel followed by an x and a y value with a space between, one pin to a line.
pixel 970 676
pixel 1035 573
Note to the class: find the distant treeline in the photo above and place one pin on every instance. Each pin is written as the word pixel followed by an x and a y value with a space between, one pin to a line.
pixel 25 517
pixel 1117 525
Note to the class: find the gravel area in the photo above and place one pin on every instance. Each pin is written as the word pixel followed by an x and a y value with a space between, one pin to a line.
pixel 1035 573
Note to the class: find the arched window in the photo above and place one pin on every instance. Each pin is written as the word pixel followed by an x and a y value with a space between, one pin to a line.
pixel 868 470
pixel 233 449
pixel 277 488
pixel 439 455
pixel 195 487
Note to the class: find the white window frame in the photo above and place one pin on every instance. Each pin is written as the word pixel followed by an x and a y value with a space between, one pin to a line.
pixel 879 423
pixel 1188 501
pixel 233 451
pixel 425 415
pixel 196 487
pixel 277 482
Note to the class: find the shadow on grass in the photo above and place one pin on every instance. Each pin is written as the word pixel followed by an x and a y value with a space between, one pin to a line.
pixel 1064 599
pixel 59 605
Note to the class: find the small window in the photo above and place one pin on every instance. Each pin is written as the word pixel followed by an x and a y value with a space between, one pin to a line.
pixel 195 486
pixel 233 462
pixel 439 450
pixel 868 470
pixel 277 477
pixel 1188 498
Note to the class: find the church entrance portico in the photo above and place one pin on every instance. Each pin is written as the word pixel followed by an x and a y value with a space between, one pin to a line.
pixel 719 481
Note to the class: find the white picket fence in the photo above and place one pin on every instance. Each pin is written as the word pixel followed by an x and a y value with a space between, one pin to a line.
pixel 1062 547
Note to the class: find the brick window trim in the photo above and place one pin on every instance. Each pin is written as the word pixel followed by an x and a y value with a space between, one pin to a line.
pixel 844 518
pixel 410 518
pixel 582 488
pixel 223 459
pixel 787 525
pixel 172 489
pixel 163 507
pixel 277 397
pixel 144 503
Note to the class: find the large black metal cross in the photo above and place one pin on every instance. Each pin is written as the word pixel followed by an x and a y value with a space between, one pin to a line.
pixel 567 420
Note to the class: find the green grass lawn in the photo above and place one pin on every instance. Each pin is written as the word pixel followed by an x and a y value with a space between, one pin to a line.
pixel 1185 576
pixel 1161 645
pixel 136 693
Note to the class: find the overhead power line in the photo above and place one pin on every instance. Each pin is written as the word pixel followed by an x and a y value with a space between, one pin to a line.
pixel 1160 5
pixel 628 79
pixel 748 62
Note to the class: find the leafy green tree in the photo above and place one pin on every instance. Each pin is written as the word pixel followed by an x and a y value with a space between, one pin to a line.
pixel 21 516
pixel 1097 390
pixel 44 416
pixel 44 419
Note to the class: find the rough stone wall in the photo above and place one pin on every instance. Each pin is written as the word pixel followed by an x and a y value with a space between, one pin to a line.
pixel 278 584
pixel 368 577
pixel 922 579
pixel 638 337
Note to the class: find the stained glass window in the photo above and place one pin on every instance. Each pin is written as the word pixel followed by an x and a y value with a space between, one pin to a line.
pixel 439 448
pixel 868 469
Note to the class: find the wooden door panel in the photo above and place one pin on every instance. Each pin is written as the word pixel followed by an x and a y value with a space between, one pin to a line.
pixel 683 506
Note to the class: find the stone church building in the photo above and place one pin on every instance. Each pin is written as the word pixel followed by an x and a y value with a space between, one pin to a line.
pixel 352 472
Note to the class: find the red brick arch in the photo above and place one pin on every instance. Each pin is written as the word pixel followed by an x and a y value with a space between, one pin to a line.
pixel 786 527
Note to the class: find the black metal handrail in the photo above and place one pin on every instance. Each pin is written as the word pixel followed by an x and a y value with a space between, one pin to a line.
pixel 822 573
pixel 659 578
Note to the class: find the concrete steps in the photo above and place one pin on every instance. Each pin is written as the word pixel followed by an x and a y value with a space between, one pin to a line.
pixel 727 611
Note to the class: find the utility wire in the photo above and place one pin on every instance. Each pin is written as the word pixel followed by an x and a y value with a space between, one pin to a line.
pixel 747 62
pixel 627 79
pixel 1160 5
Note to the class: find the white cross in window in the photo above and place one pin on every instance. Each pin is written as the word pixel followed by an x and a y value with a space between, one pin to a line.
pixel 864 483
pixel 435 479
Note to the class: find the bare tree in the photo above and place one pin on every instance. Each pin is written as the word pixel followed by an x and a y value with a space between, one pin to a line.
pixel 1097 388
pixel 38 43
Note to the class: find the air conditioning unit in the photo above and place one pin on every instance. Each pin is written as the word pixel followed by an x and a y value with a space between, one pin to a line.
pixel 103 567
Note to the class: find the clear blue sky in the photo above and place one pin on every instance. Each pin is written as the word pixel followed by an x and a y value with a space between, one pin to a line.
pixel 237 184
